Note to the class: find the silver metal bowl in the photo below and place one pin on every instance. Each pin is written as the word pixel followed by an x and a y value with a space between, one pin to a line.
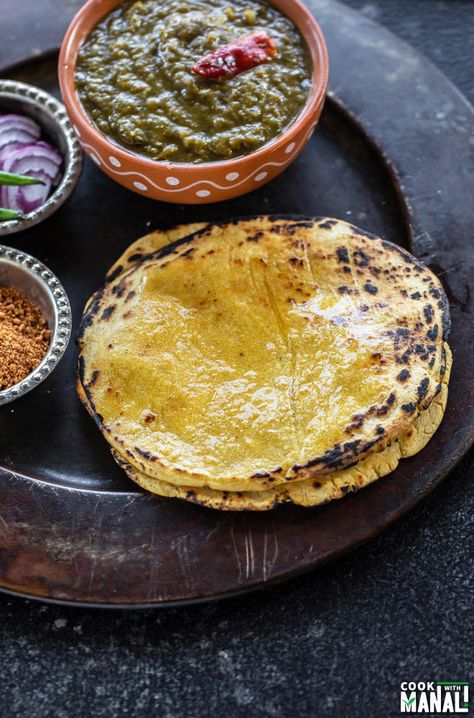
pixel 51 115
pixel 39 284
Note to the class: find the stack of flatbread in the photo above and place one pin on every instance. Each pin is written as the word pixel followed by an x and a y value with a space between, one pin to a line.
pixel 264 361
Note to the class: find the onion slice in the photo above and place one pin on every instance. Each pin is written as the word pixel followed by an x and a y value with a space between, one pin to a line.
pixel 25 198
pixel 17 130
pixel 34 160
pixel 7 150
pixel 15 135
pixel 22 122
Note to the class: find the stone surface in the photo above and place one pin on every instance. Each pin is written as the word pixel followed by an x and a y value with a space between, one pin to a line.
pixel 334 643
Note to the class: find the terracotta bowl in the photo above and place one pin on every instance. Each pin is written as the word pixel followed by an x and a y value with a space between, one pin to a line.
pixel 193 183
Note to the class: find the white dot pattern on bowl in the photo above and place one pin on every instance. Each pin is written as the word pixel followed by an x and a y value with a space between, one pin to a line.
pixel 114 161
pixel 173 184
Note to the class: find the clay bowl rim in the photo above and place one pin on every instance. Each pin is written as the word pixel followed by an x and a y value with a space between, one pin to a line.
pixel 85 20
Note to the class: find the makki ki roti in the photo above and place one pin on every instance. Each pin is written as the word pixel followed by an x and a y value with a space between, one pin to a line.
pixel 307 492
pixel 151 243
pixel 216 241
pixel 263 351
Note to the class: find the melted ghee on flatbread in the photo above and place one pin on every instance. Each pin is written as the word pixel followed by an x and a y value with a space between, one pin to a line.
pixel 257 352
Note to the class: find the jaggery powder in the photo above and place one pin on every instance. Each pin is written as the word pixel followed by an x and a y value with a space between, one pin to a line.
pixel 24 336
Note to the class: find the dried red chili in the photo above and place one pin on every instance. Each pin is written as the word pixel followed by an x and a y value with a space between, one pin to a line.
pixel 251 50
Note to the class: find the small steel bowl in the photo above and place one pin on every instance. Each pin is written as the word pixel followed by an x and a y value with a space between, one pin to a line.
pixel 50 114
pixel 38 283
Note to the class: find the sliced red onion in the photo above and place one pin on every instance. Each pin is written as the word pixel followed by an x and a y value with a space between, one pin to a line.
pixel 34 160
pixel 57 179
pixel 21 152
pixel 11 135
pixel 43 143
pixel 27 198
pixel 22 122
pixel 59 175
pixel 6 151
pixel 33 157
pixel 15 131
pixel 9 149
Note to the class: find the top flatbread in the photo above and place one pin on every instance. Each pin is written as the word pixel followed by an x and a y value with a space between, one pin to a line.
pixel 308 492
pixel 262 351
pixel 150 243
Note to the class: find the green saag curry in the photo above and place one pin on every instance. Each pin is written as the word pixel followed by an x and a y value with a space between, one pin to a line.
pixel 134 78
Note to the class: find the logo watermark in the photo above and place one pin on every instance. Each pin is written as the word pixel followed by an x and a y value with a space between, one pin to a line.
pixel 434 697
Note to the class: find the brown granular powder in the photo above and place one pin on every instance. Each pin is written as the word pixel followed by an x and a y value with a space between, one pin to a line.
pixel 24 336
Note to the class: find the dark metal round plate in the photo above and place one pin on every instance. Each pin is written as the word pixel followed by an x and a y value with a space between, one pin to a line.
pixel 393 154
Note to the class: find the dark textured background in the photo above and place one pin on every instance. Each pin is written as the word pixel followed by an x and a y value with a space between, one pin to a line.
pixel 334 643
